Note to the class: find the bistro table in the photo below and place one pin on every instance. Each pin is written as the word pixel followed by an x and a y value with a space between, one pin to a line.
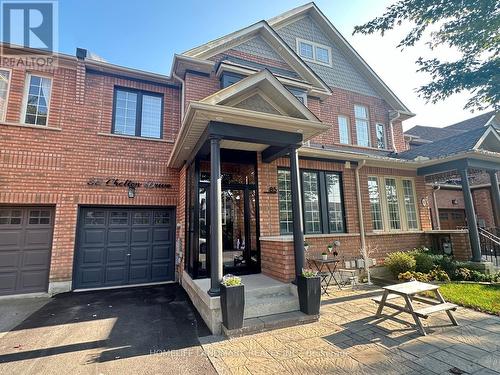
pixel 409 291
pixel 327 275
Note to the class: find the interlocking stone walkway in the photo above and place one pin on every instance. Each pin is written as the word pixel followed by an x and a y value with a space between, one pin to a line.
pixel 349 339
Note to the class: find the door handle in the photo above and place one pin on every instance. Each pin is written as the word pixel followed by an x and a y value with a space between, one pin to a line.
pixel 128 254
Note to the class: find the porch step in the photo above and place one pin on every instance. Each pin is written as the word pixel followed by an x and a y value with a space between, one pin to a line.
pixel 269 304
pixel 270 322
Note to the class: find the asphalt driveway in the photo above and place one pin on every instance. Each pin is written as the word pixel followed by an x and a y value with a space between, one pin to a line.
pixel 144 330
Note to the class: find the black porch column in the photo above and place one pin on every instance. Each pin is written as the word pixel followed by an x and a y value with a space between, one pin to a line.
pixel 495 197
pixel 298 234
pixel 215 218
pixel 471 217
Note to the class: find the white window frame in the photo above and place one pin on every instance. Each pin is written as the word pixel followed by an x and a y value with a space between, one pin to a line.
pixel 314 45
pixel 368 128
pixel 384 134
pixel 25 99
pixel 4 117
pixel 349 140
pixel 384 207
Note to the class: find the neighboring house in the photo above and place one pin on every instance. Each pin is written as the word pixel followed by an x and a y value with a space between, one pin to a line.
pixel 112 176
pixel 447 205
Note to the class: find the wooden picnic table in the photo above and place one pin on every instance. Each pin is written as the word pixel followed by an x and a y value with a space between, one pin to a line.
pixel 409 292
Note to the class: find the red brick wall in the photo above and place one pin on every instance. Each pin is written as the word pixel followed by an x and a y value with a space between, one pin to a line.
pixel 484 206
pixel 52 164
pixel 277 251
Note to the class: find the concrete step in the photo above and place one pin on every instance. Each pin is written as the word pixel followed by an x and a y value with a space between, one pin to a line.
pixel 270 322
pixel 270 304
pixel 268 291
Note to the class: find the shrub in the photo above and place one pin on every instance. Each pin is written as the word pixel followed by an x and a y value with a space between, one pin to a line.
pixel 447 264
pixel 480 277
pixel 439 275
pixel 409 276
pixel 462 274
pixel 309 273
pixel 399 262
pixel 424 262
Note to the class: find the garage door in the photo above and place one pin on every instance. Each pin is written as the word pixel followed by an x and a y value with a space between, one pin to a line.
pixel 124 246
pixel 25 246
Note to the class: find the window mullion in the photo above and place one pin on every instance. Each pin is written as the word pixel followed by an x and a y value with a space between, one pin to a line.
pixel 323 203
pixel 401 203
pixel 385 205
pixel 138 117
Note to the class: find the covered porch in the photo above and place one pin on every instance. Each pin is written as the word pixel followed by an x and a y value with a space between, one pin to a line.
pixel 463 170
pixel 224 141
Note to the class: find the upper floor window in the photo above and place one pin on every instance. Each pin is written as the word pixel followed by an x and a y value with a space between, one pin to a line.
pixel 4 90
pixel 344 130
pixel 314 52
pixel 138 113
pixel 381 137
pixel 37 99
pixel 362 127
pixel 229 78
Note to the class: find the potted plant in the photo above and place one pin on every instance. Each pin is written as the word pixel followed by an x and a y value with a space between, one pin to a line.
pixel 329 248
pixel 232 301
pixel 324 256
pixel 306 246
pixel 309 289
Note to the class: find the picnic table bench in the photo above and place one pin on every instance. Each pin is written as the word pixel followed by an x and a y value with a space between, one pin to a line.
pixel 409 291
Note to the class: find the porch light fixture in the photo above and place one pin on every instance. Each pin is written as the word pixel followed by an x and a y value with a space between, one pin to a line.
pixel 131 192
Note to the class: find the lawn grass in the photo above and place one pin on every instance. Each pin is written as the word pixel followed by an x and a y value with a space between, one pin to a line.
pixel 480 297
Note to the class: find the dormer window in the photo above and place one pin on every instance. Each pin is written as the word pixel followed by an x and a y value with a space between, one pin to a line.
pixel 314 52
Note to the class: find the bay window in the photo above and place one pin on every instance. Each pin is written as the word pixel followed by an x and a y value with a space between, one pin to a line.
pixel 392 203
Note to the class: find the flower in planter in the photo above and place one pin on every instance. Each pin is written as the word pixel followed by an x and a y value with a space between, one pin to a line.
pixel 231 280
pixel 309 273
pixel 330 248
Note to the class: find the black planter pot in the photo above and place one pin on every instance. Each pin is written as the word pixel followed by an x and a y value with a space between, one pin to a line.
pixel 232 303
pixel 309 289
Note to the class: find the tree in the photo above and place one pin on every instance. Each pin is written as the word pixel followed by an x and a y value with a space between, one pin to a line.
pixel 470 26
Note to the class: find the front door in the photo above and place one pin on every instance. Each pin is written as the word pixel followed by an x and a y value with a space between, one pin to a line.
pixel 239 241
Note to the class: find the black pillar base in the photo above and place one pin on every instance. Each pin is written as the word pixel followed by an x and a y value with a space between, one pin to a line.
pixel 214 293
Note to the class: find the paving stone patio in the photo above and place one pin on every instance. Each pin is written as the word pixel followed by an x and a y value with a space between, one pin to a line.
pixel 348 338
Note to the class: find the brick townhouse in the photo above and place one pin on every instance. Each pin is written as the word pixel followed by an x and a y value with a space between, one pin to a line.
pixel 268 137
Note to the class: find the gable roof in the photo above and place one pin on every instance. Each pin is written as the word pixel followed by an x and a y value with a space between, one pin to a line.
pixel 431 133
pixel 427 134
pixel 267 87
pixel 315 13
pixel 462 142
pixel 270 36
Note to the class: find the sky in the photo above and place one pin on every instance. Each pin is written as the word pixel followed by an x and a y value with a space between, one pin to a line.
pixel 145 34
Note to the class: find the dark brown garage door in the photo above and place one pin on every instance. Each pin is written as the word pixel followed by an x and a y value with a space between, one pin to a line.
pixel 25 247
pixel 124 246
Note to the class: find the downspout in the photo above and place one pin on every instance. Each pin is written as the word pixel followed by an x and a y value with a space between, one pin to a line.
pixel 436 209
pixel 392 129
pixel 182 93
pixel 361 220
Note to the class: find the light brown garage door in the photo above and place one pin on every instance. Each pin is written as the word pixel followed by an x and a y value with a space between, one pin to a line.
pixel 25 247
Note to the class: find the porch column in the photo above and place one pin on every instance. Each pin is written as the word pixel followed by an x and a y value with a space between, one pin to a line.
pixel 298 233
pixel 215 218
pixel 471 217
pixel 495 197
